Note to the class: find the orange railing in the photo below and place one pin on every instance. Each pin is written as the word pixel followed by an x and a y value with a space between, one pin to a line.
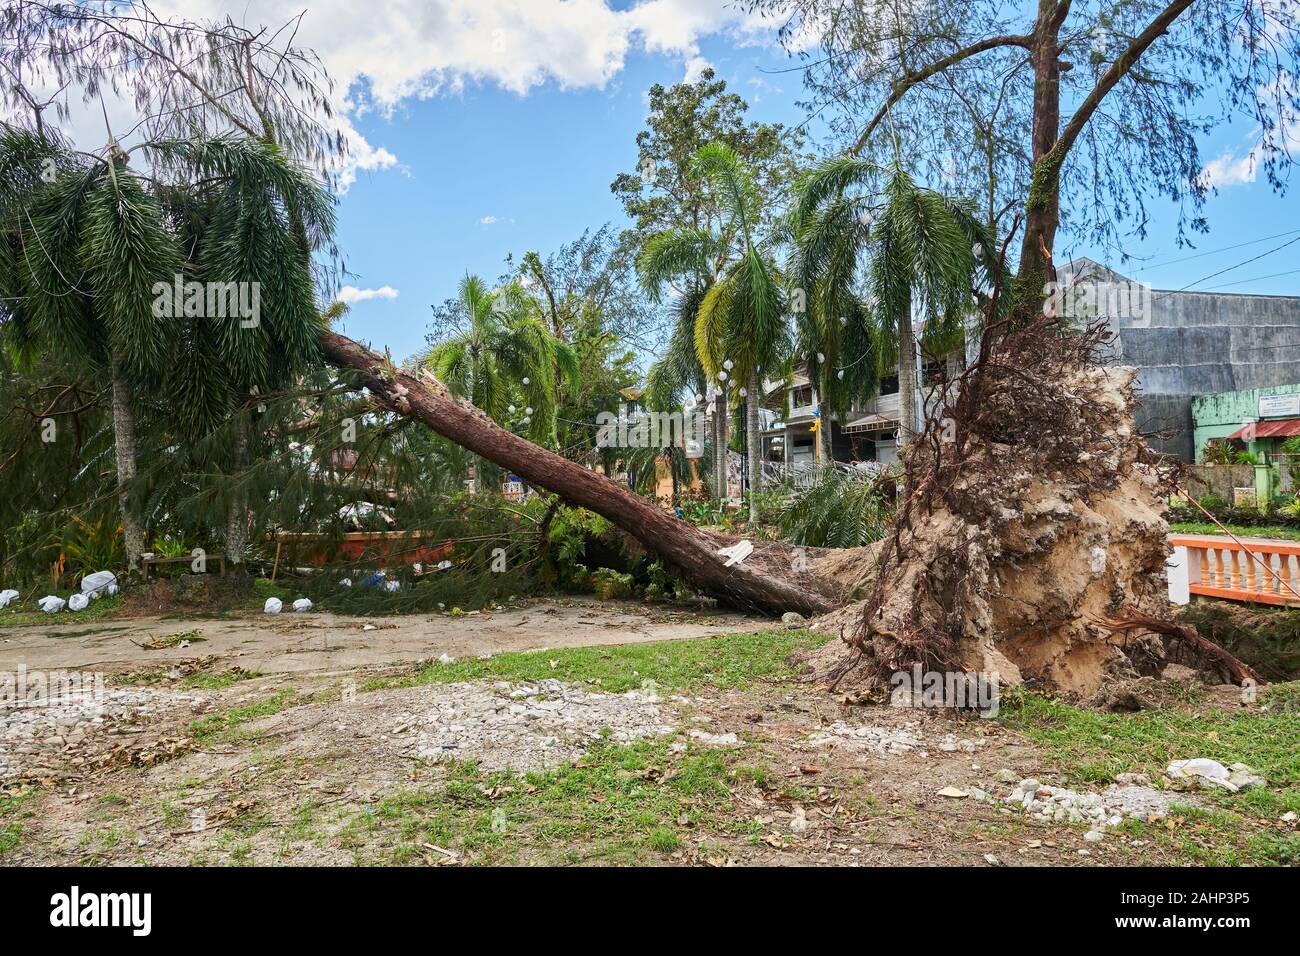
pixel 1261 570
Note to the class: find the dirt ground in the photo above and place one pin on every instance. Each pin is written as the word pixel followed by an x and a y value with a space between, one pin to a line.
pixel 309 740
pixel 312 642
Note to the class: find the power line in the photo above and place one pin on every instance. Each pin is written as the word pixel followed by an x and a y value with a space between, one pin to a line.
pixel 1211 252
pixel 1231 268
pixel 1275 275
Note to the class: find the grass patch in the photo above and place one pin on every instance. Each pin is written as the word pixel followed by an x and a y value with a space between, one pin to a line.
pixel 11 817
pixel 730 661
pixel 230 720
pixel 16 616
pixel 1092 747
pixel 1240 530
pixel 630 803
pixel 218 681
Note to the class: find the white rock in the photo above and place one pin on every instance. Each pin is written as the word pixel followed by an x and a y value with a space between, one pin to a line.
pixel 99 582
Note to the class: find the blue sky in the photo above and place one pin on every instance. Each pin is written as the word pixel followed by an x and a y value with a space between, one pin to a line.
pixel 539 166
pixel 487 127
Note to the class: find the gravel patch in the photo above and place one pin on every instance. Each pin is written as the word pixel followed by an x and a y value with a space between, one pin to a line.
pixel 908 738
pixel 524 727
pixel 30 734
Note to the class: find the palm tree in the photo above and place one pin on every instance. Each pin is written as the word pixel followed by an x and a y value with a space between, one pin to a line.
pixel 688 260
pixel 504 350
pixel 868 260
pixel 741 329
pixel 253 218
pixel 739 326
pixel 96 242
pixel 88 243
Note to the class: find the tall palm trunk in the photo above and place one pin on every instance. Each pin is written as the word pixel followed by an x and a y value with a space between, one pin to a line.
pixel 906 376
pixel 754 439
pixel 720 445
pixel 124 446
pixel 237 506
pixel 827 457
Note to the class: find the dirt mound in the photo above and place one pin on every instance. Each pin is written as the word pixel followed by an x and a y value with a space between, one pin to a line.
pixel 1035 515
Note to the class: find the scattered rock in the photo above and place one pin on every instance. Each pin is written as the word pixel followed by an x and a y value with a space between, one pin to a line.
pixel 954 792
pixel 793 620
pixel 716 740
pixel 1107 809
pixel 1202 772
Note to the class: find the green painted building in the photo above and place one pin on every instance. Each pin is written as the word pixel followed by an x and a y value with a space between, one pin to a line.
pixel 1259 419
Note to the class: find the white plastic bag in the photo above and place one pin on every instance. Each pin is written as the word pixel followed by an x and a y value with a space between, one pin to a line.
pixel 8 596
pixel 345 583
pixel 78 602
pixel 302 604
pixel 392 586
pixel 96 584
pixel 272 606
pixel 52 604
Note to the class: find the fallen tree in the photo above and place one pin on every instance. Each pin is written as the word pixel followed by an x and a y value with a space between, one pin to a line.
pixel 767 580
pixel 1031 542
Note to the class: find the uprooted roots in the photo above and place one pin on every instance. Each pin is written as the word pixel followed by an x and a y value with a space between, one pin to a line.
pixel 1030 512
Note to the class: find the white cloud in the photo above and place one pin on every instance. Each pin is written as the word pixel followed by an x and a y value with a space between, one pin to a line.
pixel 1229 170
pixel 694 67
pixel 350 294
pixel 487 220
pixel 1233 170
pixel 384 53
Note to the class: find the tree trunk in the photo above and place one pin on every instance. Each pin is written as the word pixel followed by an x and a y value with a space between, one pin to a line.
pixel 720 445
pixel 757 582
pixel 237 507
pixel 124 446
pixel 1042 209
pixel 824 437
pixel 907 424
pixel 755 440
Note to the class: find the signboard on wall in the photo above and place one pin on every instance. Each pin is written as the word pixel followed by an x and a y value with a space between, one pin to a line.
pixel 1279 406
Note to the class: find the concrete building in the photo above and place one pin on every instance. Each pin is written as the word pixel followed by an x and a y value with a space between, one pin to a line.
pixel 1187 344
pixel 1184 344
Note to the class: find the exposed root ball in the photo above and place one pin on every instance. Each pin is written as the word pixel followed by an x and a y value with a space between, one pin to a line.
pixel 1033 513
